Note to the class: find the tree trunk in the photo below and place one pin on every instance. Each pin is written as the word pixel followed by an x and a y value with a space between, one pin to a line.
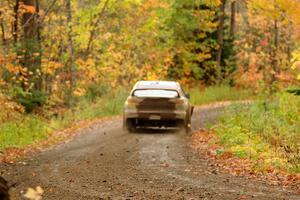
pixel 16 21
pixel 232 19
pixel 32 45
pixel 275 50
pixel 289 42
pixel 70 49
pixel 276 42
pixel 221 19
pixel 2 30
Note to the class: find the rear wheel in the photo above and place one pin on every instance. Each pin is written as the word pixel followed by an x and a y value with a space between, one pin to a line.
pixel 188 130
pixel 188 124
pixel 184 127
pixel 129 126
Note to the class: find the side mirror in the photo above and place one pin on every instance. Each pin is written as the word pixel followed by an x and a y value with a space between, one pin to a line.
pixel 188 96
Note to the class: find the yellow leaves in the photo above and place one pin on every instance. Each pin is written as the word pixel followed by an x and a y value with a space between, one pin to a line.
pixel 152 76
pixel 51 67
pixel 296 62
pixel 34 194
pixel 151 72
pixel 290 9
pixel 79 92
pixel 9 110
pixel 296 65
pixel 107 36
pixel 296 59
pixel 203 56
pixel 284 10
pixel 265 7
pixel 2 82
pixel 211 3
pixel 88 68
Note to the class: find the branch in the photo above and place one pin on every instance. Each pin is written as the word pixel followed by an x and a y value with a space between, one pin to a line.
pixel 40 20
pixel 93 31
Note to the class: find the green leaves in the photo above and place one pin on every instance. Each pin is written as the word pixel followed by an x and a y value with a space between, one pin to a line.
pixel 266 131
pixel 192 22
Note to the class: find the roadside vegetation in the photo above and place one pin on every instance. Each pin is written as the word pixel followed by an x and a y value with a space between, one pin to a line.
pixel 266 131
pixel 26 129
pixel 219 93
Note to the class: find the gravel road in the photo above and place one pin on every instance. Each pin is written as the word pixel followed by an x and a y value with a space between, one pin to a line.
pixel 104 163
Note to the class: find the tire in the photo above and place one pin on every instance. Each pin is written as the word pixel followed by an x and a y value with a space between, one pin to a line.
pixel 184 129
pixel 128 127
pixel 188 124
pixel 188 130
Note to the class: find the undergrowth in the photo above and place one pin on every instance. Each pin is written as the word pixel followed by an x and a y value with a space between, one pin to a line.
pixel 31 128
pixel 218 93
pixel 267 132
pixel 22 132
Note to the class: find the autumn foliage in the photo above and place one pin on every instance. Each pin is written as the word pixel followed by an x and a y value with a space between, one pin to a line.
pixel 53 52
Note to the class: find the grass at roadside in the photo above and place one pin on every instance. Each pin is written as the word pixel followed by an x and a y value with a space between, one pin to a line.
pixel 29 128
pixel 108 105
pixel 265 132
pixel 218 93
pixel 22 132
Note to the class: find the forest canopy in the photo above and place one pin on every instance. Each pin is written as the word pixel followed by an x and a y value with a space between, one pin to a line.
pixel 52 52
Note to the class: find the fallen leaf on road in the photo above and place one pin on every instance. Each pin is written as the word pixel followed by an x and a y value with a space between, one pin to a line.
pixel 181 189
pixel 34 194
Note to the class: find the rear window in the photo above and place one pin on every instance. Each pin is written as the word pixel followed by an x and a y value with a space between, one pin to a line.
pixel 156 93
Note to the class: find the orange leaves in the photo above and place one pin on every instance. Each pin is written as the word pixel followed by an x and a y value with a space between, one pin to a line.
pixel 264 43
pixel 50 67
pixel 204 142
pixel 1 59
pixel 28 8
pixel 79 92
pixel 9 110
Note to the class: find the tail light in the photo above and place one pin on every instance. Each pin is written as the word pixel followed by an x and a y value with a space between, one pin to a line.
pixel 179 101
pixel 132 100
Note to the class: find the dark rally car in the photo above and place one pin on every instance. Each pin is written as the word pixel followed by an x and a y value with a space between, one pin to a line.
pixel 157 104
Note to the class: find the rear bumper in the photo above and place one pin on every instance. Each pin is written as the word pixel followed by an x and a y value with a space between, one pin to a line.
pixel 156 115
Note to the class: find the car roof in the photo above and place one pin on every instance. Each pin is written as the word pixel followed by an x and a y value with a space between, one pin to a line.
pixel 170 85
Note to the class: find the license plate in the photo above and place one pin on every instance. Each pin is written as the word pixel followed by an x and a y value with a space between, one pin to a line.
pixel 154 117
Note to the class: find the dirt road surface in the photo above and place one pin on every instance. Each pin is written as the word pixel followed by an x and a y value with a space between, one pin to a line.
pixel 105 163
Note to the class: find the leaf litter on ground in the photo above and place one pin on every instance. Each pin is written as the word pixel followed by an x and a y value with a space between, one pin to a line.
pixel 202 141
